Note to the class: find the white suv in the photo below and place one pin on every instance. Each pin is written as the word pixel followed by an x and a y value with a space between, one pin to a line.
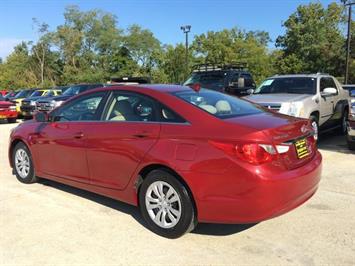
pixel 318 97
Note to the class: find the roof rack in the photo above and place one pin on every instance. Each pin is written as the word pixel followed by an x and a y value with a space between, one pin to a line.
pixel 213 67
pixel 129 80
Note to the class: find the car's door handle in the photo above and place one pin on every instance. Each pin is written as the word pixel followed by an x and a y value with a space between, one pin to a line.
pixel 141 135
pixel 79 135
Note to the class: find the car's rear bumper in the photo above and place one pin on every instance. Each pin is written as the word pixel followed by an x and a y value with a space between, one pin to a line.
pixel 254 198
pixel 8 114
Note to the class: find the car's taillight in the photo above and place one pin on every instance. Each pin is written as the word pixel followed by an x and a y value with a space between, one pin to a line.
pixel 253 153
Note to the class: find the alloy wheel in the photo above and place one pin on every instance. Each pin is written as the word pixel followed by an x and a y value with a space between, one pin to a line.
pixel 22 163
pixel 163 204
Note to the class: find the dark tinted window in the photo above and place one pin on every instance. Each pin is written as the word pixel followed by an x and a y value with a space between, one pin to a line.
pixel 210 80
pixel 327 83
pixel 218 104
pixel 248 81
pixel 297 85
pixel 37 93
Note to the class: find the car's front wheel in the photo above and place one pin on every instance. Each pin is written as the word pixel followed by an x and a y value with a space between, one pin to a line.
pixel 23 164
pixel 166 204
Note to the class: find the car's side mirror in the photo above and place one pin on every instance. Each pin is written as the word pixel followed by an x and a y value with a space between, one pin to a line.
pixel 329 92
pixel 41 117
pixel 250 91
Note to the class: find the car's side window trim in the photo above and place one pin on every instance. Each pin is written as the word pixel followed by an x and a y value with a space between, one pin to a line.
pixel 98 112
pixel 157 105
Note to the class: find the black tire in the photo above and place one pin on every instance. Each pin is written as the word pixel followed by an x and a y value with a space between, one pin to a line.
pixel 351 145
pixel 187 220
pixel 314 122
pixel 11 120
pixel 30 177
pixel 343 126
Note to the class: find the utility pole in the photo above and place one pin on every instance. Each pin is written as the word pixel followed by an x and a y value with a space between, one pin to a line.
pixel 186 29
pixel 348 43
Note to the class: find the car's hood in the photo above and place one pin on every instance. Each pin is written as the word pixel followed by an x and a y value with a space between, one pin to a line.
pixel 57 98
pixel 276 97
pixel 32 98
pixel 4 104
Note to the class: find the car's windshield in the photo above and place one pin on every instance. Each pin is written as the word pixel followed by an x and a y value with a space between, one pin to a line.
pixel 296 85
pixel 2 98
pixel 208 80
pixel 37 93
pixel 218 104
pixel 74 90
pixel 23 94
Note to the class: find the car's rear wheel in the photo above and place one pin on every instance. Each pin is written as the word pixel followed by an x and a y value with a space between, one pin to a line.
pixel 11 120
pixel 23 164
pixel 343 125
pixel 351 145
pixel 166 204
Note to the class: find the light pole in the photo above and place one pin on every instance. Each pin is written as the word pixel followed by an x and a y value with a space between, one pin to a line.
pixel 348 44
pixel 186 29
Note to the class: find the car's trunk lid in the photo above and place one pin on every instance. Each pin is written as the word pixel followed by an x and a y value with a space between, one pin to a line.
pixel 282 130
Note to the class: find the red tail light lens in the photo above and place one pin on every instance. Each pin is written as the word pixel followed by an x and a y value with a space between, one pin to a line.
pixel 250 152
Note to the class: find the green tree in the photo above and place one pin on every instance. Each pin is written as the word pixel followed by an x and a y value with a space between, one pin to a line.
pixel 15 72
pixel 143 48
pixel 313 40
pixel 235 46
pixel 173 63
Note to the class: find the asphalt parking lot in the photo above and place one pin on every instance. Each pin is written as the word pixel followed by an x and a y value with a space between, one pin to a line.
pixel 52 224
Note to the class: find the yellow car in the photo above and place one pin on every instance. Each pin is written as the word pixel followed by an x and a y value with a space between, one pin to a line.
pixel 28 105
pixel 20 96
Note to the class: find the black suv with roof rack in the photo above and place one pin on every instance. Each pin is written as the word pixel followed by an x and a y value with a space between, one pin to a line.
pixel 233 79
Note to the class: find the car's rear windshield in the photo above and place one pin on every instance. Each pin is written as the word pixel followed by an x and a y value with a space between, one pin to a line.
pixel 218 104
pixel 295 85
pixel 210 80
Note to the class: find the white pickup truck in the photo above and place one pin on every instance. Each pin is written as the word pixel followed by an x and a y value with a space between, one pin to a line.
pixel 319 97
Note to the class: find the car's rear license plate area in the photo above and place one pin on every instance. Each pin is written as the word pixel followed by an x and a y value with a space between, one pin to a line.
pixel 301 148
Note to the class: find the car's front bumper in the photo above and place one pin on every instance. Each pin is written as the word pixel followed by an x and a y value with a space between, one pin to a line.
pixel 8 114
pixel 249 197
pixel 27 111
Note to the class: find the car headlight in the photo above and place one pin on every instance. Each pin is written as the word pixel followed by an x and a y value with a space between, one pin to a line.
pixel 12 108
pixel 292 109
pixel 32 103
pixel 57 103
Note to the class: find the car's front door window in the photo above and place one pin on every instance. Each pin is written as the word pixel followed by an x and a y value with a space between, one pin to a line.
pixel 83 109
pixel 132 107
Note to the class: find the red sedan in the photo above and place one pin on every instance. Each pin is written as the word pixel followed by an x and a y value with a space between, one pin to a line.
pixel 7 110
pixel 182 155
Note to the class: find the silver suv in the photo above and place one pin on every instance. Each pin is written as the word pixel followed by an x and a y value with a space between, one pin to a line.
pixel 319 97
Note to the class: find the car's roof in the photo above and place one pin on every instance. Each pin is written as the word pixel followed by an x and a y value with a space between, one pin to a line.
pixel 314 75
pixel 166 88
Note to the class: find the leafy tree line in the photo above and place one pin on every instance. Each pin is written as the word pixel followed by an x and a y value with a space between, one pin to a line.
pixel 90 47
